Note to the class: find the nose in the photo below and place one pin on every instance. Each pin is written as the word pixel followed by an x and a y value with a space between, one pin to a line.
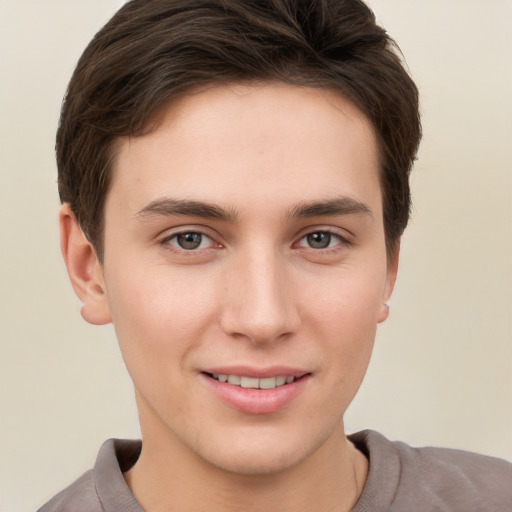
pixel 259 303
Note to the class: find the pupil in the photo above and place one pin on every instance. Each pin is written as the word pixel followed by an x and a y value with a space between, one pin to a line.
pixel 319 240
pixel 189 240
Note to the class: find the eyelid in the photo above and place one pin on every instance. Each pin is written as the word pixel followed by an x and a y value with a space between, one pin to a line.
pixel 168 235
pixel 204 240
pixel 334 236
pixel 345 236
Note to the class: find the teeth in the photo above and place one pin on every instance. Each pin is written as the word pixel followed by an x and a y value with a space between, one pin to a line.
pixel 248 382
pixel 252 382
pixel 268 383
pixel 234 379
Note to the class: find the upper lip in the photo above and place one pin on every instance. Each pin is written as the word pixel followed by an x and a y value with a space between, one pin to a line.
pixel 257 373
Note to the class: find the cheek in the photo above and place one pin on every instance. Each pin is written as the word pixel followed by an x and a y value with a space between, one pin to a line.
pixel 159 316
pixel 349 334
pixel 345 320
pixel 347 301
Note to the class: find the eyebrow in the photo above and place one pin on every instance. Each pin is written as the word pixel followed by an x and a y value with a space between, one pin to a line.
pixel 168 206
pixel 336 206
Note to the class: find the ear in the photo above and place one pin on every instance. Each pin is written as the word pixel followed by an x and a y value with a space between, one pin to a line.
pixel 84 269
pixel 392 271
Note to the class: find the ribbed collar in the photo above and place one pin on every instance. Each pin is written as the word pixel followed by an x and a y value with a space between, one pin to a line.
pixel 117 456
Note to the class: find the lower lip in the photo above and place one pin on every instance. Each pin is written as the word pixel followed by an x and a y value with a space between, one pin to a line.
pixel 257 401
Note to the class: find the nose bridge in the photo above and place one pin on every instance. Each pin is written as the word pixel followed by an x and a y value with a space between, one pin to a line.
pixel 259 305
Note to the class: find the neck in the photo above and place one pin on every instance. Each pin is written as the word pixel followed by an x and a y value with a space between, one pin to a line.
pixel 168 477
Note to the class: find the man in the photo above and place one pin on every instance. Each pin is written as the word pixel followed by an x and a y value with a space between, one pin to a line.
pixel 234 178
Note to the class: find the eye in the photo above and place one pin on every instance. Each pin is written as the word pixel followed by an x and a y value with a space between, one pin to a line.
pixel 189 241
pixel 320 240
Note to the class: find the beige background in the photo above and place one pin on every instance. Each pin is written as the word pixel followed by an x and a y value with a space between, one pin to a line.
pixel 441 372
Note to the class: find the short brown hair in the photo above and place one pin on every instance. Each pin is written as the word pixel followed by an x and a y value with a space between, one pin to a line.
pixel 153 51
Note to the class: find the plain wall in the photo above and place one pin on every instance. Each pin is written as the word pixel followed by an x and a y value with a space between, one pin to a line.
pixel 441 371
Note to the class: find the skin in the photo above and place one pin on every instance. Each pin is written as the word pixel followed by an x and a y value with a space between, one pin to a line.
pixel 255 292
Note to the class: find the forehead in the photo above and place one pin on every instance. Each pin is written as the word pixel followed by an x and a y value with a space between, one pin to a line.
pixel 270 140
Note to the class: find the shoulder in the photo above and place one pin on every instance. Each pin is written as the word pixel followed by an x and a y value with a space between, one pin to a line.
pixel 80 496
pixel 456 478
pixel 436 479
pixel 103 488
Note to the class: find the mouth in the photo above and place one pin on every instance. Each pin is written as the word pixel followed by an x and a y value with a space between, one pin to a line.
pixel 254 382
pixel 257 391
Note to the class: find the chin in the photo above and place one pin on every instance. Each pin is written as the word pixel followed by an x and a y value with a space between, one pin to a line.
pixel 255 462
pixel 261 454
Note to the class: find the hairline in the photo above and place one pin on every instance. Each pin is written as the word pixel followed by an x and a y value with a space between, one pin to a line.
pixel 156 117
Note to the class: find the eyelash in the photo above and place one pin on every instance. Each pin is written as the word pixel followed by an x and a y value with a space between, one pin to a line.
pixel 342 242
pixel 166 242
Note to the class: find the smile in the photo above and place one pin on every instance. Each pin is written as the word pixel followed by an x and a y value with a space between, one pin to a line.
pixel 252 382
pixel 257 391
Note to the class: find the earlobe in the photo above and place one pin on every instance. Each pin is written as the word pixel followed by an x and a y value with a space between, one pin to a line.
pixel 84 269
pixel 392 270
pixel 383 313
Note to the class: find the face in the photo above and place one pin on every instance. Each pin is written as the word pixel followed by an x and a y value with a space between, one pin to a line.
pixel 245 272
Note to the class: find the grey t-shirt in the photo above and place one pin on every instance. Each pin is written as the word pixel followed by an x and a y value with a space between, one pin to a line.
pixel 400 479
